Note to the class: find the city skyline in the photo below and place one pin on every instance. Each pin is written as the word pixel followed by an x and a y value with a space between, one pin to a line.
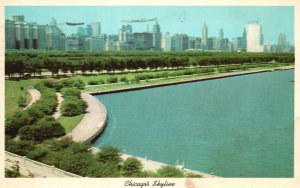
pixel 187 20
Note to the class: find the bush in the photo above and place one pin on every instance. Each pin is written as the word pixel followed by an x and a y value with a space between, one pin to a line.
pixel 15 122
pixel 109 154
pixel 71 108
pixel 124 79
pixel 43 129
pixel 78 83
pixel 20 147
pixel 93 82
pixel 112 79
pixel 11 173
pixel 22 101
pixel 71 92
pixel 170 171
pixel 132 167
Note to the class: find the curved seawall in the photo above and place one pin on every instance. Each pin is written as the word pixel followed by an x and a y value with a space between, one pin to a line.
pixel 93 122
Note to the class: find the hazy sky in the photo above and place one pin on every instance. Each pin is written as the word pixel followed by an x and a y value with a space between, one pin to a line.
pixel 173 19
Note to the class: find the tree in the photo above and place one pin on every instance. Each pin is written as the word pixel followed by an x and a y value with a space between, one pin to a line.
pixel 109 154
pixel 43 129
pixel 170 171
pixel 20 147
pixel 131 167
pixel 15 122
pixel 70 92
pixel 71 108
pixel 78 163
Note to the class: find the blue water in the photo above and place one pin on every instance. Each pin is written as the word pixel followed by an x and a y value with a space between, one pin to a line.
pixel 233 127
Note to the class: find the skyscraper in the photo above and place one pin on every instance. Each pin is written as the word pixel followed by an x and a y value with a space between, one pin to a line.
pixel 220 40
pixel 39 37
pixel 19 18
pixel 244 40
pixel 254 37
pixel 156 36
pixel 96 29
pixel 204 36
pixel 55 39
pixel 281 42
pixel 10 41
pixel 166 42
pixel 28 38
pixel 19 29
pixel 180 42
pixel 88 31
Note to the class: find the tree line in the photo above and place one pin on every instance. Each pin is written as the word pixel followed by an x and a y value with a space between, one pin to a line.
pixel 34 64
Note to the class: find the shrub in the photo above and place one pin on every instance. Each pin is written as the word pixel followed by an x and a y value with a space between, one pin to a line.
pixel 15 122
pixel 112 79
pixel 20 147
pixel 45 128
pixel 71 92
pixel 22 101
pixel 131 167
pixel 109 154
pixel 11 173
pixel 71 108
pixel 124 79
pixel 170 171
pixel 93 82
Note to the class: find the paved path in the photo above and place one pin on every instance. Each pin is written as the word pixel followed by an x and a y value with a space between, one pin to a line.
pixel 93 121
pixel 57 113
pixel 35 96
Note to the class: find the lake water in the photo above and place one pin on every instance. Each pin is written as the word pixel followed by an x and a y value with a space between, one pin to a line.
pixel 233 127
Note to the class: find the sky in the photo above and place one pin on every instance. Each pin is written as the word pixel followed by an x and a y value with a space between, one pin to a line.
pixel 173 19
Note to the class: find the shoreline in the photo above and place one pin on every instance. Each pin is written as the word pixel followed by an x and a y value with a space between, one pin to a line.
pixel 94 103
pixel 205 78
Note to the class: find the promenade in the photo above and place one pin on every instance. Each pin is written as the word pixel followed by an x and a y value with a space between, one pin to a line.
pixel 35 96
pixel 93 121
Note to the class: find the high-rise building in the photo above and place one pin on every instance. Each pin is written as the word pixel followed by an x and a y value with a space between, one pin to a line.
pixel 18 18
pixel 125 33
pixel 10 41
pixel 221 40
pixel 180 42
pixel 88 30
pixel 192 43
pixel 80 31
pixel 20 31
pixel 244 40
pixel 237 44
pixel 143 41
pixel 96 29
pixel 204 36
pixel 166 42
pixel 156 36
pixel 254 37
pixel 281 42
pixel 55 39
pixel 94 44
pixel 28 35
pixel 214 45
pixel 39 37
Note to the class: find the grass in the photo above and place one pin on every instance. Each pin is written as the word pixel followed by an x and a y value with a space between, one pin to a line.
pixel 70 122
pixel 119 85
pixel 13 92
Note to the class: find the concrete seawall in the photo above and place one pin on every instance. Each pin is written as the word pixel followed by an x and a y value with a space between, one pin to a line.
pixel 93 122
pixel 209 77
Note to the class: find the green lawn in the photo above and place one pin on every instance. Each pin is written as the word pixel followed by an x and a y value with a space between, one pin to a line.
pixel 70 122
pixel 13 92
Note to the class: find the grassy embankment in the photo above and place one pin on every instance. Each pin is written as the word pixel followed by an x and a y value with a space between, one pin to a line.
pixel 13 88
pixel 165 79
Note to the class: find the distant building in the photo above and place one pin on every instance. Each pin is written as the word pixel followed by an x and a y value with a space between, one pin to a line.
pixel 143 41
pixel 18 18
pixel 39 37
pixel 244 40
pixel 237 44
pixel 221 40
pixel 179 42
pixel 192 43
pixel 254 37
pixel 96 29
pixel 10 38
pixel 204 37
pixel 28 36
pixel 55 38
pixel 94 44
pixel 20 35
pixel 80 30
pixel 89 30
pixel 156 37
pixel 214 45
pixel 166 42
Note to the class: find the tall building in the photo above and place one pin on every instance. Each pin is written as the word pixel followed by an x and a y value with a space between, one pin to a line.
pixel 254 37
pixel 237 44
pixel 143 41
pixel 180 42
pixel 166 42
pixel 214 45
pixel 192 43
pixel 39 37
pixel 20 34
pixel 156 36
pixel 244 40
pixel 10 41
pixel 204 36
pixel 220 40
pixel 96 29
pixel 281 42
pixel 55 39
pixel 88 30
pixel 18 18
pixel 125 33
pixel 80 31
pixel 28 35
pixel 94 44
